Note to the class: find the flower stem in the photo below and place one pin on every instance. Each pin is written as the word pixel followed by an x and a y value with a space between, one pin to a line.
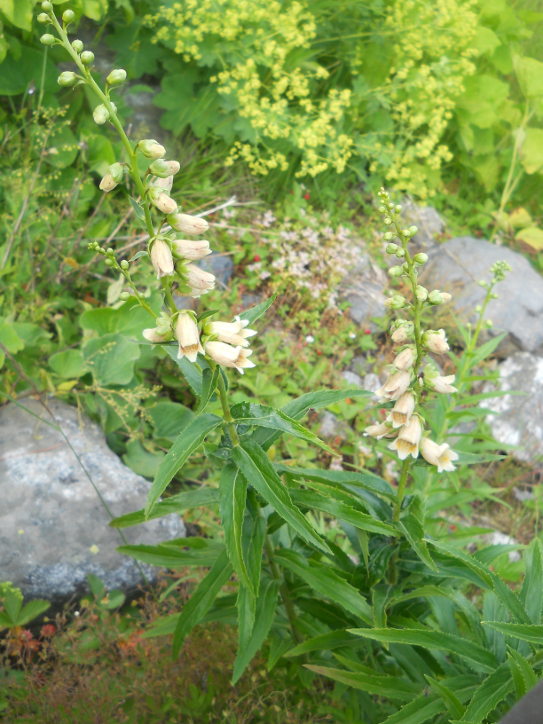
pixel 401 489
pixel 223 396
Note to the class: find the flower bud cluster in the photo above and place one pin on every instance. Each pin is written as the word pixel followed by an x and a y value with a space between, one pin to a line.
pixel 404 385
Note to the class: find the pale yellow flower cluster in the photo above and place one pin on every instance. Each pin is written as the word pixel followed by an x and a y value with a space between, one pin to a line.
pixel 267 89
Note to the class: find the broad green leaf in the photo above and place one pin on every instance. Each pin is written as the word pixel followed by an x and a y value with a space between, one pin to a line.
pixel 210 379
pixel 111 359
pixel 176 504
pixel 253 534
pixel 493 690
pixel 523 675
pixel 18 12
pixel 389 686
pixel 531 593
pixel 32 610
pixel 296 409
pixel 474 654
pixel 533 633
pixel 232 500
pixel 249 413
pixel 532 149
pixel 168 556
pixel 265 610
pixel 367 481
pixel 251 315
pixel 188 441
pixel 201 600
pixel 257 468
pixel 68 364
pixel 142 461
pixel 327 642
pixel 169 418
pixel 324 581
pixel 532 236
pixel 316 501
pixel 530 76
pixel 191 373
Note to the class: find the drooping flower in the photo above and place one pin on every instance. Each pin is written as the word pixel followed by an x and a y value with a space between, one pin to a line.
pixel 442 384
pixel 186 332
pixel 151 335
pixel 407 442
pixel 402 410
pixel 188 224
pixel 193 249
pixel 379 431
pixel 232 332
pixel 162 201
pixel 228 356
pixel 199 280
pixel 439 455
pixel 405 359
pixel 436 342
pixel 161 258
pixel 395 386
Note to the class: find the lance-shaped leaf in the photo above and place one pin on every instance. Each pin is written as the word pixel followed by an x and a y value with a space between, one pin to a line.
pixel 249 413
pixel 176 504
pixel 327 642
pixel 475 655
pixel 296 409
pixel 531 593
pixel 533 633
pixel 493 690
pixel 316 501
pixel 523 675
pixel 201 600
pixel 189 440
pixel 253 534
pixel 452 702
pixel 265 610
pixel 233 497
pixel 428 705
pixel 327 583
pixel 190 372
pixel 210 380
pixel 202 552
pixel 390 686
pixel 366 481
pixel 251 315
pixel 411 525
pixel 257 468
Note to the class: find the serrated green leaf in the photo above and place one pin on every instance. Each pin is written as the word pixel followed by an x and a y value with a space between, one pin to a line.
pixel 249 413
pixel 390 686
pixel 366 481
pixel 452 702
pixel 475 655
pixel 257 468
pixel 167 555
pixel 265 610
pixel 189 440
pixel 413 530
pixel 316 501
pixel 324 581
pixel 201 600
pixel 175 504
pixel 493 690
pixel 523 675
pixel 420 710
pixel 328 642
pixel 533 633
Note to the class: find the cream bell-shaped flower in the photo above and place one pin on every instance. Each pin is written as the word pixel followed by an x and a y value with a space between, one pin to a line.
pixel 228 356
pixel 395 386
pixel 163 183
pixel 439 455
pixel 442 384
pixel 405 359
pixel 162 259
pixel 151 335
pixel 232 332
pixel 436 342
pixel 186 332
pixel 400 335
pixel 200 280
pixel 164 203
pixel 379 431
pixel 188 224
pixel 407 442
pixel 402 410
pixel 192 249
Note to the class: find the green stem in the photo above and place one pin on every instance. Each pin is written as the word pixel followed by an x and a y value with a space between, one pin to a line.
pixel 287 601
pixel 401 489
pixel 166 285
pixel 223 396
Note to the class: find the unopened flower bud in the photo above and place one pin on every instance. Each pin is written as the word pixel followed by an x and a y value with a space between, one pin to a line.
pixel 400 253
pixel 413 230
pixel 113 177
pixel 173 167
pixel 398 208
pixel 405 359
pixel 162 201
pixel 68 16
pixel 124 264
pixel 435 297
pixel 160 168
pixel 43 18
pixel 395 302
pixel 392 248
pixel 188 224
pixel 400 335
pixel 116 77
pixel 387 221
pixel 192 249
pixel 395 271
pixel 421 293
pixel 382 209
pixel 151 148
pixel 482 283
pixel 161 258
pixel 489 323
pixel 46 6
pixel 77 45
pixel 420 258
pixel 100 115
pixel 445 297
pixel 124 296
pixel 436 342
pixel 388 236
pixel 87 58
pixel 67 79
pixel 47 39
pixel 405 232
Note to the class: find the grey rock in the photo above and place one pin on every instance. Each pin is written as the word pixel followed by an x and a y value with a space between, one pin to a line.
pixel 363 287
pixel 332 426
pixel 251 300
pixel 351 378
pixel 426 219
pixel 517 419
pixel 372 382
pixel 53 526
pixel 219 264
pixel 458 265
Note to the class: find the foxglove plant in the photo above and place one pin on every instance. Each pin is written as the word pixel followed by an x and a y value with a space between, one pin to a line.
pixel 295 588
